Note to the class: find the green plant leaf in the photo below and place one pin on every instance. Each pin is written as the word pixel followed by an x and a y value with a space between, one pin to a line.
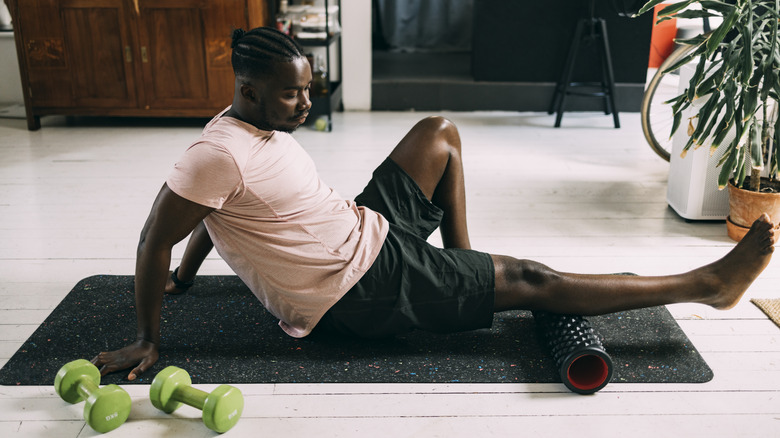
pixel 698 39
pixel 729 95
pixel 713 81
pixel 697 77
pixel 676 101
pixel 723 8
pixel 705 113
pixel 648 6
pixel 725 156
pixel 727 168
pixel 743 131
pixel 721 131
pixel 675 123
pixel 747 52
pixel 718 34
pixel 750 98
pixel 726 122
pixel 687 146
pixel 687 58
pixel 756 151
pixel 674 8
pixel 695 13
pixel 776 140
pixel 739 168
pixel 769 80
pixel 713 120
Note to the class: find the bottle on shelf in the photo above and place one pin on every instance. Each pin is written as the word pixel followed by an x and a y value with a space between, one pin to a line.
pixel 284 19
pixel 319 86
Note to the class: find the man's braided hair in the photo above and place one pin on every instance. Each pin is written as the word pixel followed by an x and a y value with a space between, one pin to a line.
pixel 255 52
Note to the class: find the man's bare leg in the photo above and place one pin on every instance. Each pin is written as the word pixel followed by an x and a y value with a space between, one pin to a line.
pixel 523 284
pixel 431 154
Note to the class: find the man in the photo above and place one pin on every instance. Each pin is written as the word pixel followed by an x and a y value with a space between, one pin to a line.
pixel 360 268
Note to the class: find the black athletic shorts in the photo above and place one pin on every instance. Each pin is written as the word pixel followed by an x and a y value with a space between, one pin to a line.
pixel 412 284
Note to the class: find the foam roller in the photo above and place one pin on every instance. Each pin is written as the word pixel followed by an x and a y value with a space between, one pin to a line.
pixel 584 365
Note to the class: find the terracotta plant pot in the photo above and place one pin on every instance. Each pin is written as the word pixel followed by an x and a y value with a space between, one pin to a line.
pixel 746 206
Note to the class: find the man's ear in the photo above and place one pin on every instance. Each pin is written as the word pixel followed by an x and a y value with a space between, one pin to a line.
pixel 248 92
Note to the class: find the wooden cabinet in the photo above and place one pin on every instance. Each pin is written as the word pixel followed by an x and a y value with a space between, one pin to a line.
pixel 128 57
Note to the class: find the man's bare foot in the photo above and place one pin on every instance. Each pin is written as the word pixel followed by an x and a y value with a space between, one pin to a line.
pixel 735 272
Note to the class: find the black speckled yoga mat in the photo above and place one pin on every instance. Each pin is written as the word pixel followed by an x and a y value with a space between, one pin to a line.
pixel 220 333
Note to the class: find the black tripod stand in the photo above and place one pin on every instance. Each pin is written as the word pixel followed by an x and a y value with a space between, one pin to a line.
pixel 589 30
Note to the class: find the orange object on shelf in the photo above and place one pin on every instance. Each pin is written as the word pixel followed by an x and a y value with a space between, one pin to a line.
pixel 662 38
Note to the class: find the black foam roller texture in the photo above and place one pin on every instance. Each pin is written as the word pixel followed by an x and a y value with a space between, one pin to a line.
pixel 584 365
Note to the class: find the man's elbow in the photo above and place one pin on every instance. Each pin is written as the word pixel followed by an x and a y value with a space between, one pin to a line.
pixel 141 245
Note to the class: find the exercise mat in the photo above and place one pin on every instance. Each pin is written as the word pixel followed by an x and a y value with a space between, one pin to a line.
pixel 220 333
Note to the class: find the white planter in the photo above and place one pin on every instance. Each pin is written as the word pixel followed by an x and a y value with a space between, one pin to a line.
pixel 693 181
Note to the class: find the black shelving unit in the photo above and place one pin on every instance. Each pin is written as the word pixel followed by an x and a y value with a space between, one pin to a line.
pixel 326 105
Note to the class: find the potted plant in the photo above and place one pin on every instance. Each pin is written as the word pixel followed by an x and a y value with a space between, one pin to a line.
pixel 736 89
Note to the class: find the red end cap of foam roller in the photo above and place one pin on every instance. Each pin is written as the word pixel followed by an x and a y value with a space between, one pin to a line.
pixel 588 373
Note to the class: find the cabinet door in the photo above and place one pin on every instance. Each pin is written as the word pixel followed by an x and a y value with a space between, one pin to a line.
pixel 74 52
pixel 185 51
pixel 99 52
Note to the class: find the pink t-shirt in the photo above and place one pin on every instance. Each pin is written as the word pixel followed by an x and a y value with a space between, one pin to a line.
pixel 292 239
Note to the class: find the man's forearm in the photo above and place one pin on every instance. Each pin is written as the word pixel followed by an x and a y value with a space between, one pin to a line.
pixel 198 248
pixel 151 273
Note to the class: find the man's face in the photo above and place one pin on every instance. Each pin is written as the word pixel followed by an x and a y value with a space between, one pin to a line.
pixel 283 99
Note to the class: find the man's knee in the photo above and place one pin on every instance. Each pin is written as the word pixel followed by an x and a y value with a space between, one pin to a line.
pixel 438 122
pixel 521 284
pixel 513 273
pixel 440 126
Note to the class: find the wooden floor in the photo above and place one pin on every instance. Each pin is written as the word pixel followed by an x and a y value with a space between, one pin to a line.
pixel 583 198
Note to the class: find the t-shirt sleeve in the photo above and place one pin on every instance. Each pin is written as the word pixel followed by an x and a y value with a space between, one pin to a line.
pixel 206 174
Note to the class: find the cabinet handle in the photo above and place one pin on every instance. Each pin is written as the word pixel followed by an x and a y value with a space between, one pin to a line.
pixel 137 9
pixel 144 56
pixel 128 55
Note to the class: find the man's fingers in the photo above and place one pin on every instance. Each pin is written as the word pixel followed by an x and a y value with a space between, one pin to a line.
pixel 102 363
pixel 106 363
pixel 137 371
pixel 105 369
pixel 99 359
pixel 138 355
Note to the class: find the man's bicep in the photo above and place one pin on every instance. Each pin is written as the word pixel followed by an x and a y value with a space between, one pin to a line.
pixel 172 218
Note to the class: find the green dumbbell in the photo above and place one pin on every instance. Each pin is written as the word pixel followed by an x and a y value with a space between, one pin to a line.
pixel 106 408
pixel 221 408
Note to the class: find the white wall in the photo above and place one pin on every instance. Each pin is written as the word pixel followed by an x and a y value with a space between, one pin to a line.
pixel 10 81
pixel 356 59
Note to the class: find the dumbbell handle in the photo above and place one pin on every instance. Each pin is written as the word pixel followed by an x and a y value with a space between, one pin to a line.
pixel 86 388
pixel 190 396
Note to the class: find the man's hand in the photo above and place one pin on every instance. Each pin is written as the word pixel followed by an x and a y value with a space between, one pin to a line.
pixel 141 354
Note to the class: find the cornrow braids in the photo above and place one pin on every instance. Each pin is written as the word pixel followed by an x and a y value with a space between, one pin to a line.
pixel 255 52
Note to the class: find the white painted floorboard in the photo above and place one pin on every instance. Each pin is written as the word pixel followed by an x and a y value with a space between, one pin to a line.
pixel 582 198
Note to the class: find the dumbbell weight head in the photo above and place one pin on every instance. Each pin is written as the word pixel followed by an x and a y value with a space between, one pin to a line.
pixel 105 408
pixel 221 408
pixel 164 386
